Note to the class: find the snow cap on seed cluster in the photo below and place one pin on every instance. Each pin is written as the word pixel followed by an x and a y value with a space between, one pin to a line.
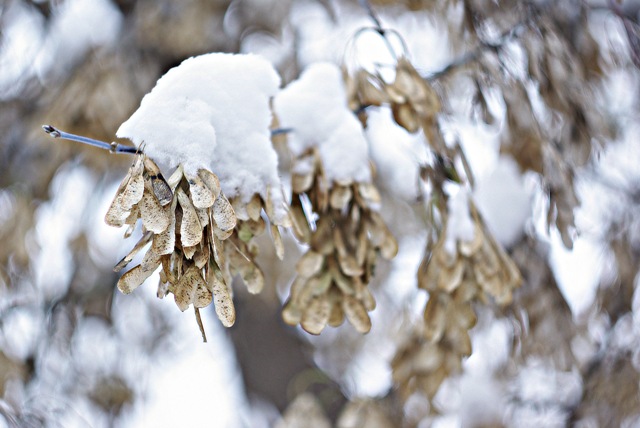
pixel 315 108
pixel 212 112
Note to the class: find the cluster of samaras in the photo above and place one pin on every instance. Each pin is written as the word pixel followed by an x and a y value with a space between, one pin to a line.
pixel 332 276
pixel 190 225
pixel 478 270
pixel 414 103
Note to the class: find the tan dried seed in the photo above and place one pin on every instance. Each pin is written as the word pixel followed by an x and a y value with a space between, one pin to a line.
pixel 277 241
pixel 223 214
pixel 340 197
pixel 211 181
pixel 254 208
pixel 316 315
pixel 356 314
pixel 185 289
pixel 222 299
pixel 136 276
pixel 201 195
pixel 146 238
pixel 309 264
pixel 154 217
pixel 190 228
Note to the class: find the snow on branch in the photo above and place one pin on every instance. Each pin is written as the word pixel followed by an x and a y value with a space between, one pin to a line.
pixel 213 112
pixel 315 107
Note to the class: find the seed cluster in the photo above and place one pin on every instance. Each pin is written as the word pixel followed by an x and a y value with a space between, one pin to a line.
pixel 195 234
pixel 478 271
pixel 344 241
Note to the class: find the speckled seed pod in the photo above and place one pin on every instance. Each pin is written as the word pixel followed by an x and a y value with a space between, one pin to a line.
pixel 189 223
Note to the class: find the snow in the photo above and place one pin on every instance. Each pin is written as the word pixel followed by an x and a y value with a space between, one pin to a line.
pixel 212 111
pixel 460 227
pixel 315 107
pixel 58 222
pixel 396 153
pixel 504 201
pixel 321 38
pixel 543 395
pixel 76 27
pixel 21 38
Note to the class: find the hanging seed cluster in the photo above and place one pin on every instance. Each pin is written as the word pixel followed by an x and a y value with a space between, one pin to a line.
pixel 194 234
pixel 348 236
pixel 479 270
pixel 414 102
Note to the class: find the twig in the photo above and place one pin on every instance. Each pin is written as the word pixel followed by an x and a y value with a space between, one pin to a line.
pixel 372 14
pixel 484 46
pixel 113 147
pixel 280 131
pixel 379 29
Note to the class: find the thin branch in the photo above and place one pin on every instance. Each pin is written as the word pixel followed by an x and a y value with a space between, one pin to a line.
pixel 372 14
pixel 472 56
pixel 280 131
pixel 112 147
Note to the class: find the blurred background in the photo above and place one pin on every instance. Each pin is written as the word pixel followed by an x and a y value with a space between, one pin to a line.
pixel 542 98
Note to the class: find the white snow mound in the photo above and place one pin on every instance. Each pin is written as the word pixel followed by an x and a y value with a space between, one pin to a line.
pixel 212 111
pixel 315 108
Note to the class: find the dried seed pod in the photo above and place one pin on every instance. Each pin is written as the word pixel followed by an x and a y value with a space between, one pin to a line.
pixel 185 289
pixel 301 183
pixel 188 236
pixel 277 241
pixel 223 214
pixel 435 317
pixel 356 314
pixel 291 313
pixel 128 194
pixel 136 276
pixel 336 317
pixel 190 227
pixel 204 296
pixel 165 242
pixel 477 270
pixel 316 315
pixel 153 215
pixel 201 195
pixel 161 189
pixel 222 298
pixel 146 238
pixel 250 273
pixel 309 264
pixel 340 197
pixel 254 208
pixel 300 227
pixel 211 181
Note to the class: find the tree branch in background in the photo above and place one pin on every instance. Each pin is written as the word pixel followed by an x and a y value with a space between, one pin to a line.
pixel 472 56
